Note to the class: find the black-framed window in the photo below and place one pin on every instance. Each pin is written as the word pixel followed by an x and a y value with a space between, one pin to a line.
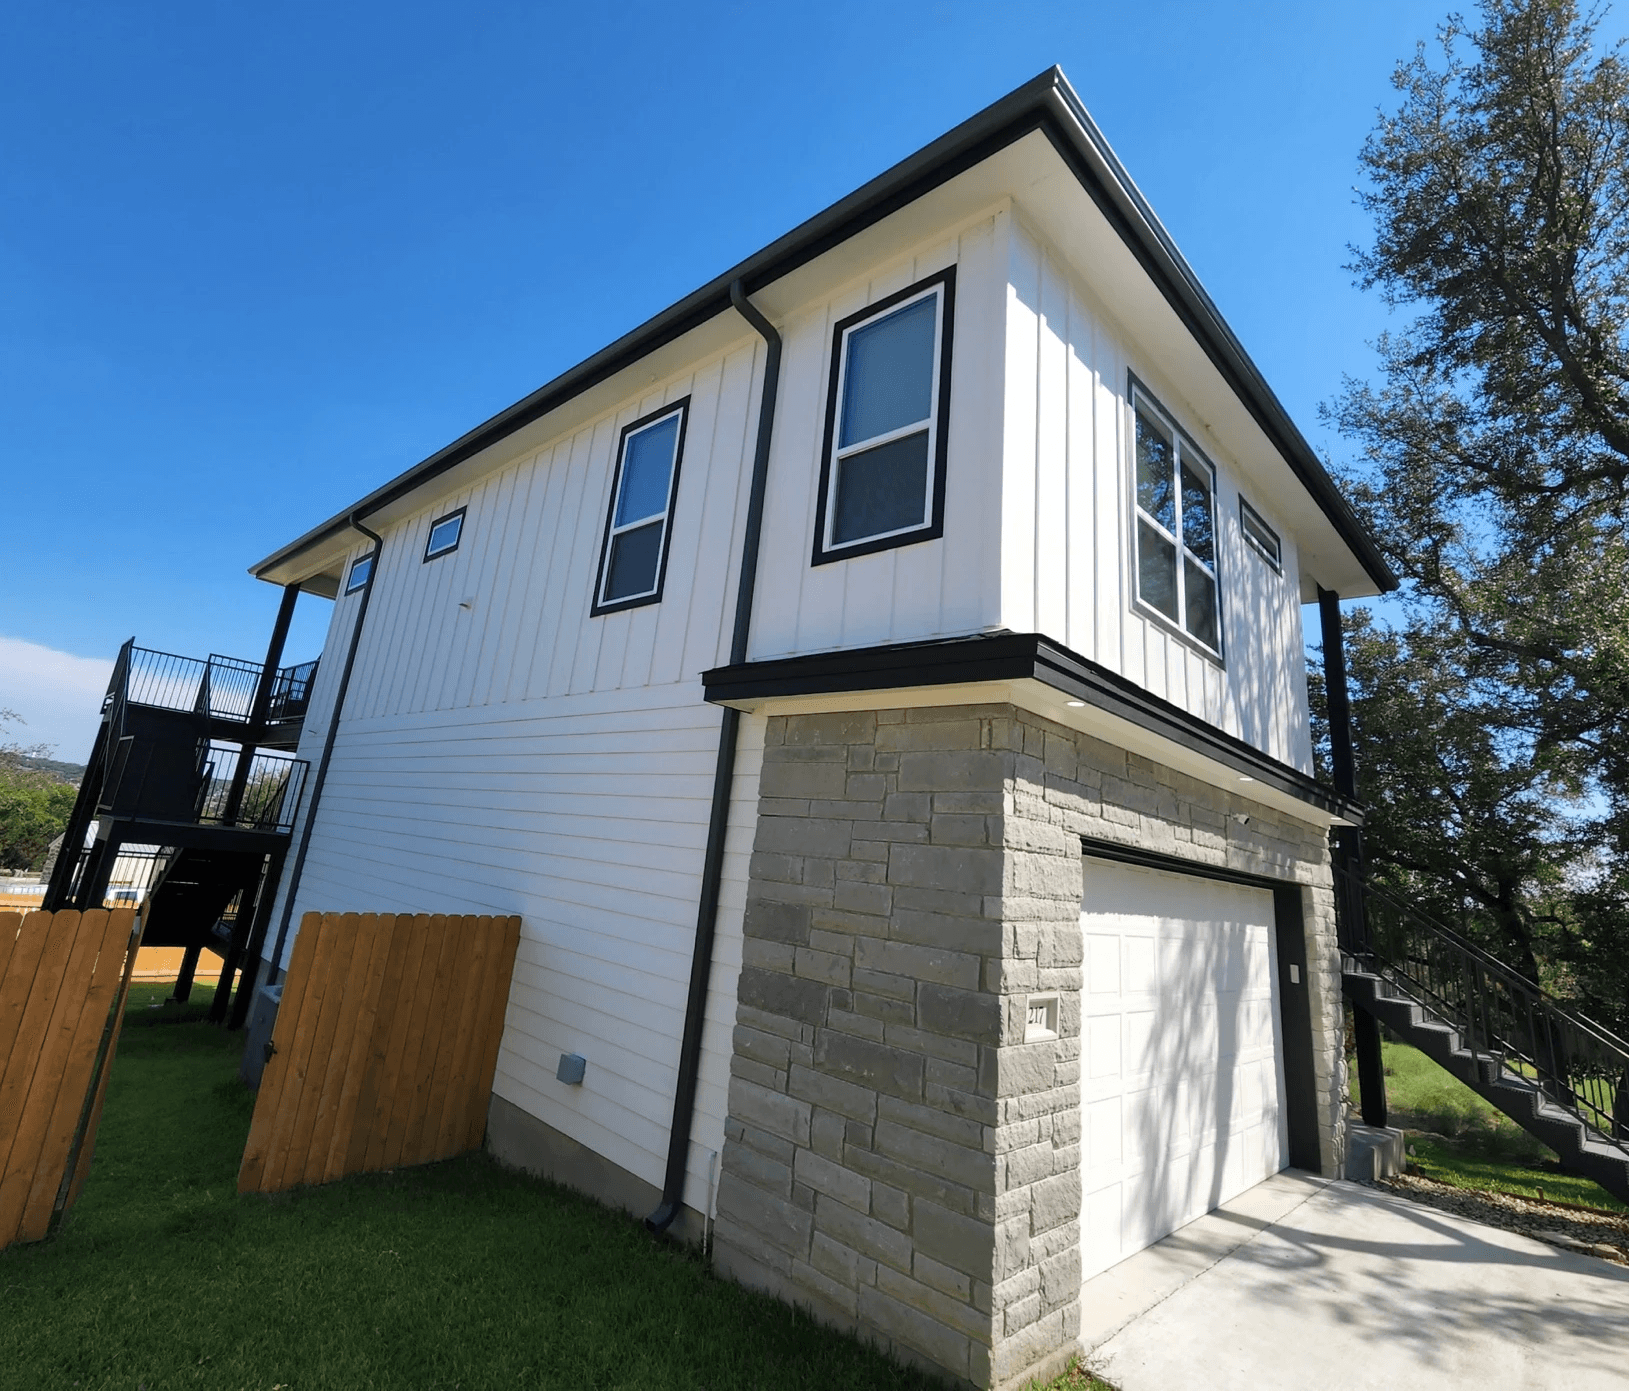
pixel 633 554
pixel 360 570
pixel 1260 537
pixel 1176 526
pixel 445 534
pixel 882 469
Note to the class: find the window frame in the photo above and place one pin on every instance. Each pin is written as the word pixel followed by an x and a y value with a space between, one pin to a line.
pixel 457 514
pixel 680 408
pixel 1138 395
pixel 1274 558
pixel 941 284
pixel 352 583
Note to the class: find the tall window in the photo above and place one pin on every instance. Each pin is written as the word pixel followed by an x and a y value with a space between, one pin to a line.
pixel 1176 528
pixel 883 470
pixel 633 557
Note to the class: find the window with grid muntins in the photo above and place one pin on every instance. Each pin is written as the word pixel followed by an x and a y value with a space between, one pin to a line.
pixel 1176 529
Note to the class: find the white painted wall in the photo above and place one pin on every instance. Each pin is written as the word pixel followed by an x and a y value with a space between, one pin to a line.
pixel 502 751
pixel 940 588
pixel 1066 517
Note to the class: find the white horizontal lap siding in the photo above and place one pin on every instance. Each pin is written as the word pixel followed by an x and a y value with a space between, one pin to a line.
pixel 589 822
pixel 925 589
pixel 1067 550
pixel 503 751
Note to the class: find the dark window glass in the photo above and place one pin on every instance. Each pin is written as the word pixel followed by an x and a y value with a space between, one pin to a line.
pixel 888 378
pixel 647 472
pixel 631 569
pixel 1201 597
pixel 881 490
pixel 1156 473
pixel 1156 570
pixel 1261 536
pixel 1198 524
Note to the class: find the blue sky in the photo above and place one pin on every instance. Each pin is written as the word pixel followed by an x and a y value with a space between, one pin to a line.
pixel 254 261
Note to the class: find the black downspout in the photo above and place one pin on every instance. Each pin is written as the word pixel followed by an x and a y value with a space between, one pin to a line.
pixel 327 746
pixel 1348 849
pixel 712 867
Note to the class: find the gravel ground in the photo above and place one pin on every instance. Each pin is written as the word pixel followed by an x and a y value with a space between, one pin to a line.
pixel 1602 1234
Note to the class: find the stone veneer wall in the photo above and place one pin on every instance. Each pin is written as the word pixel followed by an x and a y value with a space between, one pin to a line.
pixel 897 1159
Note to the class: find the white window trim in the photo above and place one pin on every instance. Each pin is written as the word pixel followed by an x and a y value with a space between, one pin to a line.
pixel 1139 397
pixel 632 432
pixel 829 547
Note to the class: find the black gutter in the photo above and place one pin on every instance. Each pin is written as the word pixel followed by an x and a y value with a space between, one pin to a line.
pixel 1017 657
pixel 1047 103
pixel 712 868
pixel 355 522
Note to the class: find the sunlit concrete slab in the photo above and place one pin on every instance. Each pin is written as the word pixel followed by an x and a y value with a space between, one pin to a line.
pixel 1306 1283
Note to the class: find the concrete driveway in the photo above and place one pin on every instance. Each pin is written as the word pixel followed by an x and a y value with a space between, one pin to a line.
pixel 1309 1285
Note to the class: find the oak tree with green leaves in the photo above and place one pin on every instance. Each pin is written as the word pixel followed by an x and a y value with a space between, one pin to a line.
pixel 1493 466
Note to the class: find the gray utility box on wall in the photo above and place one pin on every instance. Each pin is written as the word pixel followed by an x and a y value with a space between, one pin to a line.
pixel 262 1016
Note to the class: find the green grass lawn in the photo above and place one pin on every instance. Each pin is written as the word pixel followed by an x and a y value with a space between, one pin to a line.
pixel 1481 1147
pixel 454 1275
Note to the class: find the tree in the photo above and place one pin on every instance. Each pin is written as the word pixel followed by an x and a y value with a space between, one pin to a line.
pixel 34 804
pixel 1495 453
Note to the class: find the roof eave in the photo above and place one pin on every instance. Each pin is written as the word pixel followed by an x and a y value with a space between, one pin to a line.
pixel 1047 102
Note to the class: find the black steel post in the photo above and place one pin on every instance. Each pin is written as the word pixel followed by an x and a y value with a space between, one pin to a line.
pixel 1340 706
pixel 183 982
pixel 1371 1068
pixel 257 940
pixel 260 706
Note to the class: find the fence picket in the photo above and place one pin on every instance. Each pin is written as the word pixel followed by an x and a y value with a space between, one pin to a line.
pixel 392 1024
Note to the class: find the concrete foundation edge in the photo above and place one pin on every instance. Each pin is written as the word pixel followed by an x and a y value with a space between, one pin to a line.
pixel 519 1140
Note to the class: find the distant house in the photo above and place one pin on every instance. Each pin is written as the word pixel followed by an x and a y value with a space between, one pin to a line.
pixel 939 902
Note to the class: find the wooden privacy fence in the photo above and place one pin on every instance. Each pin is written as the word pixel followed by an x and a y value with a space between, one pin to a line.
pixel 384 1047
pixel 63 982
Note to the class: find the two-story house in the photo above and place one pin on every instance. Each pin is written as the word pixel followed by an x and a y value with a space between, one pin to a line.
pixel 877 682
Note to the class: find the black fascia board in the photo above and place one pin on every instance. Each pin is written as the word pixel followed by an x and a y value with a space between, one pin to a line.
pixel 1047 103
pixel 1017 657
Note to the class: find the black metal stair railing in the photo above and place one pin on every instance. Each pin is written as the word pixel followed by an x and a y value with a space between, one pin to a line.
pixel 1500 1015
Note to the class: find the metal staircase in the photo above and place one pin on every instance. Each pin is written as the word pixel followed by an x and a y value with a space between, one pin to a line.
pixel 1559 1075
pixel 188 802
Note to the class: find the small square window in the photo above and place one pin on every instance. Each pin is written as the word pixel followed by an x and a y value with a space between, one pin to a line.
pixel 1261 537
pixel 445 533
pixel 883 467
pixel 1176 526
pixel 360 570
pixel 633 557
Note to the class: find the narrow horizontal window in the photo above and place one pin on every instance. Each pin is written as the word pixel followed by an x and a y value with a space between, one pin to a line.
pixel 1261 537
pixel 445 533
pixel 633 557
pixel 360 570
pixel 882 469
pixel 1176 527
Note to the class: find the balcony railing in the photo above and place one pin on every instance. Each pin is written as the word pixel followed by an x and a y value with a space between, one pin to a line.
pixel 266 795
pixel 222 687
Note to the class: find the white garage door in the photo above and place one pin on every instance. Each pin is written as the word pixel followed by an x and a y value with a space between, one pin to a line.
pixel 1182 1072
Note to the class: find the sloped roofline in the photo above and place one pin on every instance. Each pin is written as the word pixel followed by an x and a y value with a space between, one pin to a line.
pixel 1047 103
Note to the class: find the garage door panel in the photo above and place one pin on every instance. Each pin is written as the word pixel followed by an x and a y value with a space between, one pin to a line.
pixel 1182 1078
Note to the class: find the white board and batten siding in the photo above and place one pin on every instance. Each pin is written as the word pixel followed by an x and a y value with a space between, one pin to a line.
pixel 1067 548
pixel 502 751
pixel 940 588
